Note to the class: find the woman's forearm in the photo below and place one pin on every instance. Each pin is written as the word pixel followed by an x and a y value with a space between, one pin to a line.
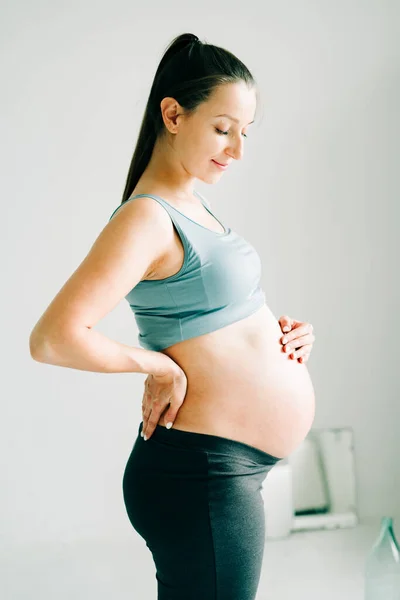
pixel 89 350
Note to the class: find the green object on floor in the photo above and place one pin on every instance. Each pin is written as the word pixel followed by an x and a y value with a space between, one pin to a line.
pixel 382 566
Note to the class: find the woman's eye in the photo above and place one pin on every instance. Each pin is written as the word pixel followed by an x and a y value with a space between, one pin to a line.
pixel 226 132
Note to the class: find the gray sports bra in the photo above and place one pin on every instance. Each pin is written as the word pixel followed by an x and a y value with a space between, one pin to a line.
pixel 218 284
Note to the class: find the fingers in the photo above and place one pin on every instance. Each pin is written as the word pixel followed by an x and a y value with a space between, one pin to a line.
pixel 285 323
pixel 146 412
pixel 302 355
pixel 302 352
pixel 150 422
pixel 299 342
pixel 162 400
pixel 298 346
pixel 298 334
pixel 304 359
pixel 149 426
pixel 153 415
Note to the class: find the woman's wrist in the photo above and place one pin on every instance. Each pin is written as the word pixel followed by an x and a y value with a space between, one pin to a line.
pixel 154 363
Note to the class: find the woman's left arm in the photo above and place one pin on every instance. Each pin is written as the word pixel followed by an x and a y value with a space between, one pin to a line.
pixel 298 339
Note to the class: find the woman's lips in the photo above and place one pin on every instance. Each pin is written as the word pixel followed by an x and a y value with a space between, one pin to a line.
pixel 223 167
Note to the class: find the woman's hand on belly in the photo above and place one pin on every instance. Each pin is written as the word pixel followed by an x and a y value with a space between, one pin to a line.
pixel 300 338
pixel 242 386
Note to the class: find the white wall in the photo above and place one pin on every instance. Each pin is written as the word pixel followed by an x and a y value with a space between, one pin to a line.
pixel 315 193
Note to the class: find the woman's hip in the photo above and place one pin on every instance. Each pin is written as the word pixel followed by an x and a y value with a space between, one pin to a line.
pixel 196 501
pixel 177 469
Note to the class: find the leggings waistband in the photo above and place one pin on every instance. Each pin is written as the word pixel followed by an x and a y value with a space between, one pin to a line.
pixel 212 443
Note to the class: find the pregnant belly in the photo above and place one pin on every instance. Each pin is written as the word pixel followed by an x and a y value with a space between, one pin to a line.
pixel 241 385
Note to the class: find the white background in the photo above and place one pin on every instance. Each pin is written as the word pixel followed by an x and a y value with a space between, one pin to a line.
pixel 316 193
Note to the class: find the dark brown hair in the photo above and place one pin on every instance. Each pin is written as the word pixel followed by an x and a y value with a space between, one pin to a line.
pixel 189 71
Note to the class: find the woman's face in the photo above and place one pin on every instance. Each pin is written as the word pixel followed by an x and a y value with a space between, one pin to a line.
pixel 206 137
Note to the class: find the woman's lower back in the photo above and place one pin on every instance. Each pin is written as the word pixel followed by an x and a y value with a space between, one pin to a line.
pixel 242 386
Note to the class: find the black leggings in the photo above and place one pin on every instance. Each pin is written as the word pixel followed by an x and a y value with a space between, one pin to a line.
pixel 195 499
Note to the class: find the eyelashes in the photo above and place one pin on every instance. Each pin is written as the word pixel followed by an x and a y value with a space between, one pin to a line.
pixel 220 132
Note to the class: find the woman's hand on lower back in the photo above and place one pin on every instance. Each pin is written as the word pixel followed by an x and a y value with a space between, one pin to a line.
pixel 162 398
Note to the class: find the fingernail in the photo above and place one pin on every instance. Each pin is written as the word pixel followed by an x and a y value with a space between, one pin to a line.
pixel 145 438
pixel 284 340
pixel 286 328
pixel 141 433
pixel 169 425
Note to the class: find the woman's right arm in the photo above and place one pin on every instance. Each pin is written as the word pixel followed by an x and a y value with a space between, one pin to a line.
pixel 132 242
pixel 86 349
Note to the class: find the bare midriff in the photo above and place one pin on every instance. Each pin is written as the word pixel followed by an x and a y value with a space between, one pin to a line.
pixel 243 386
pixel 240 383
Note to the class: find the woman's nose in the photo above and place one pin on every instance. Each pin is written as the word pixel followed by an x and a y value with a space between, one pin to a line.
pixel 236 150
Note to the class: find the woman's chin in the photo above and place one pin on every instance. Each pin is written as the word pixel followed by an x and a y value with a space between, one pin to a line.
pixel 212 176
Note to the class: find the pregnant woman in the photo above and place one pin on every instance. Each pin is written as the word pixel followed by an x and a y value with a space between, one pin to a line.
pixel 223 400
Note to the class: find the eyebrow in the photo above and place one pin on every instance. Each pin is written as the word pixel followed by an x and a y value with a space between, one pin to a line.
pixel 233 118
